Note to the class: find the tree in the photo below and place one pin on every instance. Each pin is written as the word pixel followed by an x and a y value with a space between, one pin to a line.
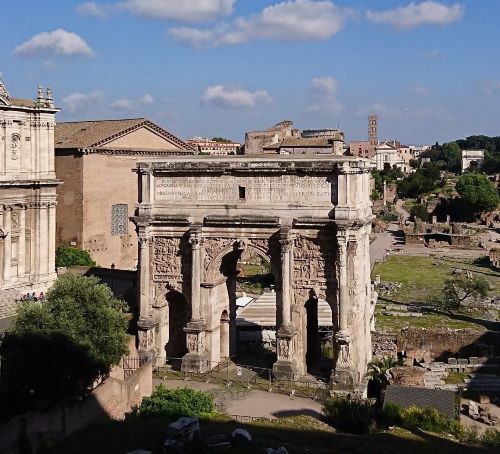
pixel 71 255
pixel 67 342
pixel 459 288
pixel 221 139
pixel 420 212
pixel 478 192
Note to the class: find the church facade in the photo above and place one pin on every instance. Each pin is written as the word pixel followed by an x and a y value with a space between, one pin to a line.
pixel 27 192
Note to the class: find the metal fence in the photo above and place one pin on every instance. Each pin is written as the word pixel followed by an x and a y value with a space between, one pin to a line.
pixel 131 364
pixel 244 376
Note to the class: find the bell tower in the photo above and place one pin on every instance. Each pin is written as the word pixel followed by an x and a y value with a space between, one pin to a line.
pixel 372 130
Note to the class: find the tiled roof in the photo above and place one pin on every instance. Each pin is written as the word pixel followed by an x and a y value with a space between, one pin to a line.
pixel 92 134
pixel 405 396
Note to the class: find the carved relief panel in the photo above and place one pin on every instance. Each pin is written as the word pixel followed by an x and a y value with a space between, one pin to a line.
pixel 167 260
pixel 313 264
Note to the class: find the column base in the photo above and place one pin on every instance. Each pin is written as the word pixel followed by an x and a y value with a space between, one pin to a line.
pixel 146 336
pixel 342 377
pixel 195 362
pixel 285 369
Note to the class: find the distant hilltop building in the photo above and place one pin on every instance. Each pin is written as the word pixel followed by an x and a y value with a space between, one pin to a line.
pixel 383 152
pixel 27 194
pixel 283 138
pixel 214 147
pixel 472 158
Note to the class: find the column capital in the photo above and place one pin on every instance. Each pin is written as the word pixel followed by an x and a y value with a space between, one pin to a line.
pixel 195 238
pixel 143 241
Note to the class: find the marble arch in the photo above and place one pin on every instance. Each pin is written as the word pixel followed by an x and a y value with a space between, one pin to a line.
pixel 310 216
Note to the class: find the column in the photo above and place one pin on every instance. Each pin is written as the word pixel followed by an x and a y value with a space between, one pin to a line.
pixel 343 295
pixel 144 261
pixel 195 243
pixel 145 324
pixel 7 245
pixel 52 238
pixel 342 375
pixel 286 366
pixel 286 251
pixel 43 238
pixel 21 245
pixel 196 359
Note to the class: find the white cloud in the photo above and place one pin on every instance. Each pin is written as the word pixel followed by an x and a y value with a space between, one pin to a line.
pixel 146 99
pixel 58 42
pixel 77 102
pixel 491 86
pixel 235 97
pixel 129 104
pixel 420 90
pixel 324 91
pixel 293 20
pixel 431 54
pixel 180 10
pixel 416 14
pixel 93 9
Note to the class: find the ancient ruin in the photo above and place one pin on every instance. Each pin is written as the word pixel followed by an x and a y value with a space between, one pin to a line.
pixel 308 216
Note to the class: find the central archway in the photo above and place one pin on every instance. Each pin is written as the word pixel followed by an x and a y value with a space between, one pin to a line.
pixel 238 267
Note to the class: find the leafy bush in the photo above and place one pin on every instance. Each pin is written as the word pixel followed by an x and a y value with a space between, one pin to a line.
pixel 176 403
pixel 70 255
pixel 491 438
pixel 413 418
pixel 350 416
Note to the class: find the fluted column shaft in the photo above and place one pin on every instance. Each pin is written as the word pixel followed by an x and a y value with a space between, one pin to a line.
pixel 7 245
pixel 144 277
pixel 195 243
pixel 21 249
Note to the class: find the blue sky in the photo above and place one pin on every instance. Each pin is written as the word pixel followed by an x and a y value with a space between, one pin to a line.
pixel 429 69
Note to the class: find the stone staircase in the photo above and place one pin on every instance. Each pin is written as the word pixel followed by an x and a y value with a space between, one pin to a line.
pixel 433 377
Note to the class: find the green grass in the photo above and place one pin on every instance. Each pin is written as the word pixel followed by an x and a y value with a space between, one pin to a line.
pixel 422 279
pixel 456 378
pixel 299 434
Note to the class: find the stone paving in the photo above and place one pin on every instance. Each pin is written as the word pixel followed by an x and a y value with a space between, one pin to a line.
pixel 253 403
pixel 8 303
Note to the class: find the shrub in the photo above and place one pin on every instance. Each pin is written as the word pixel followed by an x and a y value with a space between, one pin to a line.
pixel 413 418
pixel 70 255
pixel 176 403
pixel 491 438
pixel 351 416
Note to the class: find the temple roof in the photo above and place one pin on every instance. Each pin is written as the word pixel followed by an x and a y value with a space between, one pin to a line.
pixel 97 133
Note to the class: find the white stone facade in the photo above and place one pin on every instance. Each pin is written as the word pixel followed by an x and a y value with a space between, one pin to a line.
pixel 308 216
pixel 27 192
pixel 470 156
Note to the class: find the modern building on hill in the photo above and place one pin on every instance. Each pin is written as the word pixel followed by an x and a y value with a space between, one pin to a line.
pixel 27 194
pixel 215 147
pixel 95 161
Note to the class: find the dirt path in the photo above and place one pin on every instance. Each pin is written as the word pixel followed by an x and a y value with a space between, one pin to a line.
pixel 254 403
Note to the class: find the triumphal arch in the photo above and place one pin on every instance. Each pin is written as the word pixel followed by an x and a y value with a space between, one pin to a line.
pixel 308 216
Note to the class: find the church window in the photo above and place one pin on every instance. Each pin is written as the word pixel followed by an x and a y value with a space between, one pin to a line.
pixel 119 219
